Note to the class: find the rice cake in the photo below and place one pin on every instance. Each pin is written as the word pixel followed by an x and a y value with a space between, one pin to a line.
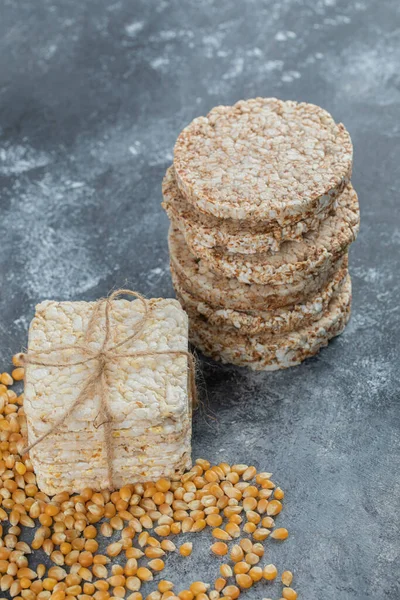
pixel 232 235
pixel 223 292
pixel 296 261
pixel 263 159
pixel 254 322
pixel 277 352
pixel 147 396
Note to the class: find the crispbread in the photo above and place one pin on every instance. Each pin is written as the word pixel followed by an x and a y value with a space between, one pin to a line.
pixel 254 322
pixel 273 352
pixel 230 234
pixel 296 261
pixel 263 159
pixel 222 292
pixel 148 397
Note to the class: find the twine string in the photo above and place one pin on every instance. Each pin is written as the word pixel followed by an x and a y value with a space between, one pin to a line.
pixel 98 381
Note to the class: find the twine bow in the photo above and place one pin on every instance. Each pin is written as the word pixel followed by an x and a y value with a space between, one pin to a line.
pixel 103 357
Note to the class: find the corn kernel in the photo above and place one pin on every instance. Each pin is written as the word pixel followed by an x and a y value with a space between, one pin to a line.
pixel 186 549
pixel 280 534
pixel 270 572
pixel 232 591
pixel 198 587
pixel 225 570
pixel 274 508
pixel 287 578
pixel 219 548
pixel 244 581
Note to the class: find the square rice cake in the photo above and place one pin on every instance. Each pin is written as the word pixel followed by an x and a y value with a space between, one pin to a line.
pixel 147 396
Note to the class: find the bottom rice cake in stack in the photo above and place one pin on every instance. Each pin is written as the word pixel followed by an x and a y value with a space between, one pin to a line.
pixel 270 352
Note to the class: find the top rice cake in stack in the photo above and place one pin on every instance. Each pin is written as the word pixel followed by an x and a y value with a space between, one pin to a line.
pixel 263 160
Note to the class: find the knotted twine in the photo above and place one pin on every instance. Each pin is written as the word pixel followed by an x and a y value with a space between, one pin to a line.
pixel 103 357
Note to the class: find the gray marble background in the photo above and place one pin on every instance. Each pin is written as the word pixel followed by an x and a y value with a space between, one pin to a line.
pixel 92 96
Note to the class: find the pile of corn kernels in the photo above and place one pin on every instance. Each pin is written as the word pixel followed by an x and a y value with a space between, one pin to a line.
pixel 235 502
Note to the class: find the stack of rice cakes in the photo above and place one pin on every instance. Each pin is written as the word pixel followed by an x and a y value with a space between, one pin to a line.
pixel 262 216
pixel 147 397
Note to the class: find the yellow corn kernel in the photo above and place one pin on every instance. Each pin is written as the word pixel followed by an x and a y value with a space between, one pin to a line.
pixel 164 585
pixel 20 468
pixel 244 581
pixel 168 546
pixel 116 580
pixel 251 491
pixel 219 548
pixel 18 374
pixel 249 527
pixel 144 574
pixel 199 525
pixel 219 584
pixel 6 379
pixel 252 559
pixel 237 553
pixel 280 534
pixel 163 485
pixel 162 530
pixel 268 522
pixel 258 549
pixel 253 517
pixel 249 473
pixel 152 552
pixel 187 524
pixel 186 549
pixel 232 529
pixel 261 534
pixel 270 572
pixel 214 520
pixel 185 595
pixel 225 570
pixel 246 545
pixel 175 528
pixel 157 564
pixel 237 519
pixel 232 591
pixel 198 587
pixel 256 573
pixel 99 571
pixel 287 578
pixel 262 506
pixel 241 567
pixel 274 508
pixel 220 534
pixel 133 584
pixel 249 504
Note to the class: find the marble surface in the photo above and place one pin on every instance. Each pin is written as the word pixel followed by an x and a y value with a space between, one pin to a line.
pixel 92 97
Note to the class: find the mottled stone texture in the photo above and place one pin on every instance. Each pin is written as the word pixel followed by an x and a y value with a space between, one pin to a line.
pixel 92 97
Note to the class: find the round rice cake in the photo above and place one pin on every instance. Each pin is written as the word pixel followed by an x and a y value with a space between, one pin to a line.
pixel 222 292
pixel 277 352
pixel 263 159
pixel 255 322
pixel 296 261
pixel 232 235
